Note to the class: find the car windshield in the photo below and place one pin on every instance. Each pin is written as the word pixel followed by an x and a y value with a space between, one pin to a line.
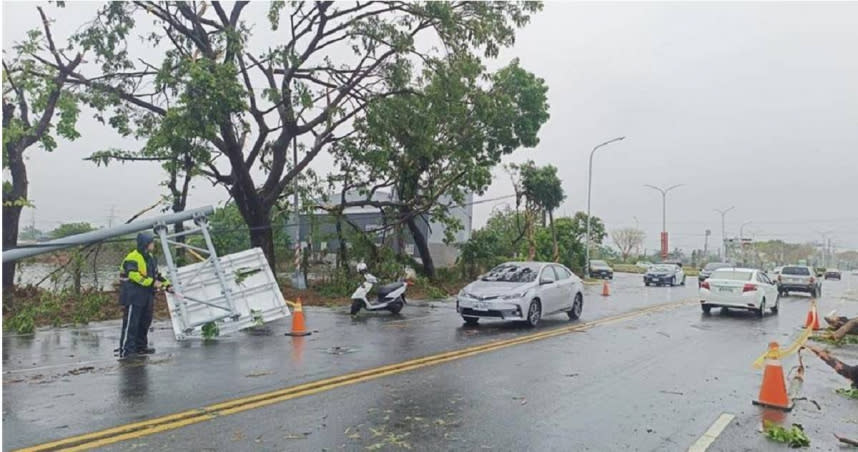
pixel 598 264
pixel 715 266
pixel 512 273
pixel 731 275
pixel 804 271
pixel 664 268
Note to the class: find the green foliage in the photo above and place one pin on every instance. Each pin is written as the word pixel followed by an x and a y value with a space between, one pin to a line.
pixel 431 290
pixel 230 232
pixel 89 306
pixel 256 316
pixel 541 186
pixel 23 322
pixel 67 229
pixel 210 331
pixel 828 339
pixel 501 239
pixel 338 284
pixel 794 436
pixel 849 393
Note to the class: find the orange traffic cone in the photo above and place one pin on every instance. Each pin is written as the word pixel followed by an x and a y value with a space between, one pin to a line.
pixel 298 327
pixel 812 317
pixel 773 392
pixel 606 291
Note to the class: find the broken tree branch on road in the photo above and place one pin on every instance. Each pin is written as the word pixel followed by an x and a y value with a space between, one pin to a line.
pixel 845 370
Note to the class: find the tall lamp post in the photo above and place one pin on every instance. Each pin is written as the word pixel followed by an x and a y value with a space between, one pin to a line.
pixel 723 213
pixel 742 241
pixel 663 192
pixel 589 190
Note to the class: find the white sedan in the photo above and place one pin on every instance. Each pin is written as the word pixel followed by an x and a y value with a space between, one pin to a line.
pixel 739 288
pixel 522 291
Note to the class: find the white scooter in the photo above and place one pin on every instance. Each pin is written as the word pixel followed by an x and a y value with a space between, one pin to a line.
pixel 390 297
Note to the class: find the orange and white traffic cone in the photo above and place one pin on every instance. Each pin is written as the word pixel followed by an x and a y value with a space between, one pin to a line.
pixel 812 317
pixel 773 392
pixel 606 291
pixel 298 326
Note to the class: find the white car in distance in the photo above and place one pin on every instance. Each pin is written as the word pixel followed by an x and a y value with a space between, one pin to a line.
pixel 739 288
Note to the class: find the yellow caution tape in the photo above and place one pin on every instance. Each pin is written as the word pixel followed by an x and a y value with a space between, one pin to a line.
pixel 794 347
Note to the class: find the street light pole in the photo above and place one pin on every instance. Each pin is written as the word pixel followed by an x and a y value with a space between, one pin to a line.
pixel 589 190
pixel 663 192
pixel 723 237
pixel 742 241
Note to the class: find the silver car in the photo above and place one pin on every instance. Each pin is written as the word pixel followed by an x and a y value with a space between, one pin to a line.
pixel 522 291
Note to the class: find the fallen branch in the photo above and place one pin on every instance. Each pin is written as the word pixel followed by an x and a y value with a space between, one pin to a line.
pixel 848 441
pixel 842 369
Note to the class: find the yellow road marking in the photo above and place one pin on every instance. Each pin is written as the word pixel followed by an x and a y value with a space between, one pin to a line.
pixel 189 417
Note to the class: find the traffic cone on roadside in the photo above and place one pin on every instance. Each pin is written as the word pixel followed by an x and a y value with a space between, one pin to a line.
pixel 606 291
pixel 298 327
pixel 812 317
pixel 773 392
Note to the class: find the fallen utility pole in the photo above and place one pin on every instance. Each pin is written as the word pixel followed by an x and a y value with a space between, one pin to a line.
pixel 99 235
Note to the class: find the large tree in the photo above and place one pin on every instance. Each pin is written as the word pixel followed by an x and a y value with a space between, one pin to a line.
pixel 259 108
pixel 542 187
pixel 435 146
pixel 37 107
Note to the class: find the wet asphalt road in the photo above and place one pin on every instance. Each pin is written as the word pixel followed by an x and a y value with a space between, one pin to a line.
pixel 652 383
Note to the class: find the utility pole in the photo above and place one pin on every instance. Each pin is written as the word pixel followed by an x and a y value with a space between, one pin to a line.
pixel 742 242
pixel 706 245
pixel 299 281
pixel 589 190
pixel 723 253
pixel 111 216
pixel 663 191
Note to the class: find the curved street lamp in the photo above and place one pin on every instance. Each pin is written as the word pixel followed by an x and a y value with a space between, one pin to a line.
pixel 589 190
pixel 663 191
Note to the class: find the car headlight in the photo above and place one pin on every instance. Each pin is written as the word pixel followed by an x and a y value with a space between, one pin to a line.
pixel 514 296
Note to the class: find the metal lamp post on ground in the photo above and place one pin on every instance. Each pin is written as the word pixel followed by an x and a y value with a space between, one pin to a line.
pixel 589 189
pixel 663 191
pixel 723 237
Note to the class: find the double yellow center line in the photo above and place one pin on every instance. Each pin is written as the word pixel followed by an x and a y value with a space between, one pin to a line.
pixel 185 418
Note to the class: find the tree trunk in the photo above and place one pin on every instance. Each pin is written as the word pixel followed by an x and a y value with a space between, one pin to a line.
pixel 531 227
pixel 11 215
pixel 257 216
pixel 342 251
pixel 556 254
pixel 422 245
pixel 12 207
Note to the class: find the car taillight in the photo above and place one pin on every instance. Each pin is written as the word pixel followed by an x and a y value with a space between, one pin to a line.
pixel 704 285
pixel 749 288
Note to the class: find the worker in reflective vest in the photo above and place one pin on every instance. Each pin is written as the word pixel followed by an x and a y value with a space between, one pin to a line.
pixel 139 279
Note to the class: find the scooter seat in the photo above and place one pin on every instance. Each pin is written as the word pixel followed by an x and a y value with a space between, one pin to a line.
pixel 386 289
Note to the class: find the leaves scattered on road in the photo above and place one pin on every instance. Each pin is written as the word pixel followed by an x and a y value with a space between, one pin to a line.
pixel 794 437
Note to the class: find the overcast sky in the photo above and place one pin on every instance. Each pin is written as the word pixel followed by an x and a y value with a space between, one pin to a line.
pixel 749 105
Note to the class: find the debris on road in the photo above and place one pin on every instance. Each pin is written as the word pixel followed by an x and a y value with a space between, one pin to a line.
pixel 672 392
pixel 259 374
pixel 850 393
pixel 845 370
pixel 848 441
pixel 794 437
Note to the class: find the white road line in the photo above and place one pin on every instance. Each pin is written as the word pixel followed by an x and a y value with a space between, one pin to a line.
pixel 712 434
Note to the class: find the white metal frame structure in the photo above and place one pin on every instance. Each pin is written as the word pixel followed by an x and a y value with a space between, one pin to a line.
pixel 235 291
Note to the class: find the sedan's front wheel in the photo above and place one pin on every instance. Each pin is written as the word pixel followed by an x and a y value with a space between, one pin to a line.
pixel 577 306
pixel 534 313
